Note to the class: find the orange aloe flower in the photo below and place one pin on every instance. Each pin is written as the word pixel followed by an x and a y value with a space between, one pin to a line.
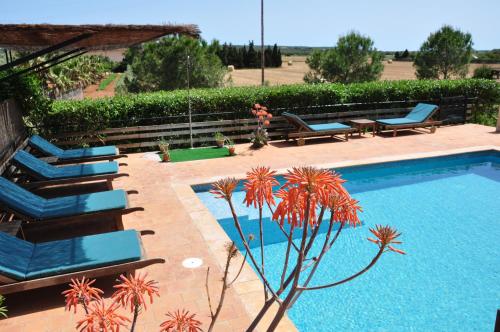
pixel 385 236
pixel 224 188
pixel 291 207
pixel 130 292
pixel 102 318
pixel 81 291
pixel 180 322
pixel 259 186
pixel 344 208
pixel 314 185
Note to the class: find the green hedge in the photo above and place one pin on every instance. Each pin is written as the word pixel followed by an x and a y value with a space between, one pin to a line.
pixel 102 113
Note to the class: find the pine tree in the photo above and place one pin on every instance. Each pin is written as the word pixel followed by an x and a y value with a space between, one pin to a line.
pixel 277 57
pixel 268 55
pixel 251 60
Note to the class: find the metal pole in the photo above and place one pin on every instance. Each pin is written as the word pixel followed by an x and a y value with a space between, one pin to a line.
pixel 262 56
pixel 189 104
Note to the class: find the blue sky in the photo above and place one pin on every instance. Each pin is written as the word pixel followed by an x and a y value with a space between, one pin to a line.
pixel 392 24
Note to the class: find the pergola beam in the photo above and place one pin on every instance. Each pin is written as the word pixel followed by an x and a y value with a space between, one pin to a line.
pixel 44 51
pixel 52 61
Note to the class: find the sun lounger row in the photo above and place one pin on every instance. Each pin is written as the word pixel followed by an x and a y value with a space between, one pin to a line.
pixel 25 265
pixel 420 117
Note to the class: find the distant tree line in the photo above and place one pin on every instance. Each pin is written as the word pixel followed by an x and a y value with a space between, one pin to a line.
pixel 403 56
pixel 247 56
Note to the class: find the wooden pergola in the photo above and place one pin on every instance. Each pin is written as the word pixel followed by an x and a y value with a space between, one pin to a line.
pixel 70 41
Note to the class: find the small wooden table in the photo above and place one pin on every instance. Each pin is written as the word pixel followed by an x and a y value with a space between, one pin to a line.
pixel 362 124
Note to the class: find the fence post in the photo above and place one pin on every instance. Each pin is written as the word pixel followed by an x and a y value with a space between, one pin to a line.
pixel 498 120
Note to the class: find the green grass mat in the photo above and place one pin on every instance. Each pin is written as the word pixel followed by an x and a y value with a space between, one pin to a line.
pixel 197 154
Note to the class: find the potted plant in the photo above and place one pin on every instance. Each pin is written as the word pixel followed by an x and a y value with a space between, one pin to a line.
pixel 164 149
pixel 231 147
pixel 260 136
pixel 219 139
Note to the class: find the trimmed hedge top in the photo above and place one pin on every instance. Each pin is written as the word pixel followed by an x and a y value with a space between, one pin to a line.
pixel 101 113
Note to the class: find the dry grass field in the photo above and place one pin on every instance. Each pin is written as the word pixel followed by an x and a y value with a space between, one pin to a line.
pixel 397 70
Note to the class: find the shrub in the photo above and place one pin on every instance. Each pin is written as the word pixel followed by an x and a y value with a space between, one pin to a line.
pixel 163 65
pixel 445 54
pixel 353 59
pixel 128 109
pixel 483 72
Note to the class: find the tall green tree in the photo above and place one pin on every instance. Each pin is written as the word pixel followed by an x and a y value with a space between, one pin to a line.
pixel 162 65
pixel 445 54
pixel 353 59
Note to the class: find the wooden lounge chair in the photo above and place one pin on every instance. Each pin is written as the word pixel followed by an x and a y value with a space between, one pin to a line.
pixel 45 174
pixel 25 265
pixel 109 152
pixel 304 130
pixel 37 211
pixel 419 117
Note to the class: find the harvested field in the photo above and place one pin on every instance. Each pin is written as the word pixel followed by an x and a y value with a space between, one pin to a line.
pixel 397 70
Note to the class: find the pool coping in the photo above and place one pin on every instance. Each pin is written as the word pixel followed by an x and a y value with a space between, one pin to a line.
pixel 248 286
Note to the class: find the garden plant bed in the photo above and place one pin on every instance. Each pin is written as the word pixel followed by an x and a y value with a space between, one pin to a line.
pixel 179 155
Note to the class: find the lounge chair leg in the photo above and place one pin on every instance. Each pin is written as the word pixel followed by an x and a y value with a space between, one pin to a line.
pixel 433 130
pixel 119 223
pixel 394 133
pixel 109 183
pixel 346 137
pixel 301 142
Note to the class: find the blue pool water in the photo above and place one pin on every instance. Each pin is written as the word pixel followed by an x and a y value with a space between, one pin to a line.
pixel 448 210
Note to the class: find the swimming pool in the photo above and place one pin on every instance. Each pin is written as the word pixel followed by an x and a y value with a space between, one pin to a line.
pixel 448 210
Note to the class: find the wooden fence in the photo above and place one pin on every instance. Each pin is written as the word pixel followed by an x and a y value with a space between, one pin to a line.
pixel 453 110
pixel 12 130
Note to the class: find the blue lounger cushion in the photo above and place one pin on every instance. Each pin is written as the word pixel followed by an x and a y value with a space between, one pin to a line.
pixel 22 260
pixel 15 256
pixel 34 206
pixel 316 127
pixel 397 121
pixel 329 126
pixel 419 114
pixel 50 172
pixel 52 150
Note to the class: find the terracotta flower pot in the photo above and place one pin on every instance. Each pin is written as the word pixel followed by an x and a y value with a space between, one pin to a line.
pixel 165 157
pixel 232 151
pixel 220 143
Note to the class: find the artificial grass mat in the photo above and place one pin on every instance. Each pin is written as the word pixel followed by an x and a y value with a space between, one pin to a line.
pixel 178 155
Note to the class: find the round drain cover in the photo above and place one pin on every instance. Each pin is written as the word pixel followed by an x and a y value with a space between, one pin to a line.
pixel 192 262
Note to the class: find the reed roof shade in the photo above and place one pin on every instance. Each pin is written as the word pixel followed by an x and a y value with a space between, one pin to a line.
pixel 32 37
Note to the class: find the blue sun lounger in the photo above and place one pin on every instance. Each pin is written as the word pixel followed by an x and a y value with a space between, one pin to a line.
pixel 37 211
pixel 45 174
pixel 109 152
pixel 304 130
pixel 25 265
pixel 419 117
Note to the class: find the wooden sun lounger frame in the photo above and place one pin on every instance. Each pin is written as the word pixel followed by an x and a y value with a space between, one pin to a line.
pixel 432 124
pixel 42 182
pixel 30 223
pixel 56 161
pixel 8 285
pixel 303 132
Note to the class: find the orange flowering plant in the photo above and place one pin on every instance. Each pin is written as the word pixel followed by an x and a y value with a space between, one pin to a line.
pixel 309 198
pixel 131 293
pixel 260 136
pixel 181 321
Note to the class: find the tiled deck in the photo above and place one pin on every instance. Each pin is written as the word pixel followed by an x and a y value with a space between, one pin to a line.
pixel 184 228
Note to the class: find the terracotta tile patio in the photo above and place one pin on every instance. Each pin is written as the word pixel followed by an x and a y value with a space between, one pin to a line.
pixel 184 227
